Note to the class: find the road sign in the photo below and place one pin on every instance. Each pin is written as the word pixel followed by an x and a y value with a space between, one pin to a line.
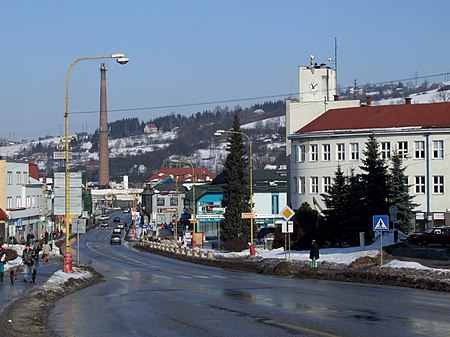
pixel 248 215
pixel 79 226
pixel 287 213
pixel 393 211
pixel 381 223
pixel 287 227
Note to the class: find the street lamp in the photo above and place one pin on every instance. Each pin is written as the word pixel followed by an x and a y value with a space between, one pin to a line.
pixel 219 133
pixel 187 161
pixel 121 59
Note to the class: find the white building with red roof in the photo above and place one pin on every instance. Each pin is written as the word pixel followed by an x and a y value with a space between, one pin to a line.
pixel 419 132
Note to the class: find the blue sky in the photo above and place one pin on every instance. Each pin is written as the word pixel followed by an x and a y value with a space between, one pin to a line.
pixel 189 51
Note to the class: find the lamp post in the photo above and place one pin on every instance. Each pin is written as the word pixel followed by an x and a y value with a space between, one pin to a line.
pixel 121 59
pixel 187 161
pixel 218 133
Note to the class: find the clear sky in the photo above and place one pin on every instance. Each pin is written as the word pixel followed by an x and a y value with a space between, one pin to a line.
pixel 191 51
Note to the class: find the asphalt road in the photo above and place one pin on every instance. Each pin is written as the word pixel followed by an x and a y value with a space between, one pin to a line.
pixel 149 295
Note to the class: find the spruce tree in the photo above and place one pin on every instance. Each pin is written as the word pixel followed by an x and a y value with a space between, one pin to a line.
pixel 399 195
pixel 374 182
pixel 236 192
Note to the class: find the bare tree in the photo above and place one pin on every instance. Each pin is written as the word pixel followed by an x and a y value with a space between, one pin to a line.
pixel 441 96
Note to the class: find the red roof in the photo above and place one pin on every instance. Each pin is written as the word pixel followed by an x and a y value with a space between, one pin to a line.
pixel 184 174
pixel 433 115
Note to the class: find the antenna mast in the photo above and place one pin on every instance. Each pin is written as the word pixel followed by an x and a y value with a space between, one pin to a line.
pixel 335 63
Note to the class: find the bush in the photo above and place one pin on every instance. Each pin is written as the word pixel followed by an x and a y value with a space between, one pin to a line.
pixel 235 245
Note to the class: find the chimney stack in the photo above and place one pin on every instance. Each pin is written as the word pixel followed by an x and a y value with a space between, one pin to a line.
pixel 408 100
pixel 103 154
pixel 336 97
pixel 368 100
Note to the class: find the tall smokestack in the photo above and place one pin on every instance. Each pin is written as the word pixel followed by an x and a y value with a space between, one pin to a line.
pixel 103 154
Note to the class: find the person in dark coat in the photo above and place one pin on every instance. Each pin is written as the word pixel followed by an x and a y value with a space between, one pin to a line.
pixel 28 258
pixel 314 253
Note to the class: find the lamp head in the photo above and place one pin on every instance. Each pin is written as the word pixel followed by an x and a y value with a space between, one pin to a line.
pixel 122 60
pixel 218 133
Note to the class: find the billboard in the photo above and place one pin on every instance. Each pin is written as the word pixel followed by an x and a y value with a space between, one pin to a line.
pixel 75 192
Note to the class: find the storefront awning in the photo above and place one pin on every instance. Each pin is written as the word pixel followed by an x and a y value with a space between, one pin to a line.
pixel 3 215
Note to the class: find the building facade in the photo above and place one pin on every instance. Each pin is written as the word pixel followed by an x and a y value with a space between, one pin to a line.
pixel 420 133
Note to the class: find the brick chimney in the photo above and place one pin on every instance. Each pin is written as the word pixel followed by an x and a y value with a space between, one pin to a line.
pixel 368 100
pixel 408 100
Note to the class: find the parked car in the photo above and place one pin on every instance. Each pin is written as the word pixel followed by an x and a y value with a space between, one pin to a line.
pixel 104 224
pixel 115 239
pixel 116 219
pixel 435 235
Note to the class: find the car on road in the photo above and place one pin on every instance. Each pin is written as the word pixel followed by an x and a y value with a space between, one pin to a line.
pixel 116 219
pixel 104 224
pixel 120 225
pixel 115 239
pixel 117 230
pixel 434 235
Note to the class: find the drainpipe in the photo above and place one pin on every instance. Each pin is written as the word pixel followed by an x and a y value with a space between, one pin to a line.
pixel 427 158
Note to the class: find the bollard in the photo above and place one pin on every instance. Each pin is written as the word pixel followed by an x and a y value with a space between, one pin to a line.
pixel 209 255
pixel 68 263
pixel 194 252
pixel 188 252
pixel 201 253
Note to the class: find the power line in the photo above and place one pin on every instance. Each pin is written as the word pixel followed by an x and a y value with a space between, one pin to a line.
pixel 242 99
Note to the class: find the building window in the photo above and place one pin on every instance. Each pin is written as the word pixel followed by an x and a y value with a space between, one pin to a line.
pixel 340 149
pixel 18 178
pixel 438 149
pixel 403 149
pixel 10 178
pixel 354 151
pixel 419 149
pixel 326 184
pixel 28 201
pixel 438 184
pixel 173 201
pixel 301 153
pixel 420 184
pixel 160 201
pixel 25 178
pixel 326 152
pixel 301 185
pixel 9 202
pixel 18 202
pixel 314 185
pixel 275 204
pixel 385 150
pixel 33 201
pixel 314 155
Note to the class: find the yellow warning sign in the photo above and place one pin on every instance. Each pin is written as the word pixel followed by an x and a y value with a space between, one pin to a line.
pixel 287 213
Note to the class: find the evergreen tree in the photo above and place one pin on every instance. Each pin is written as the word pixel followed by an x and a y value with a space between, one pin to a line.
pixel 236 194
pixel 374 182
pixel 399 191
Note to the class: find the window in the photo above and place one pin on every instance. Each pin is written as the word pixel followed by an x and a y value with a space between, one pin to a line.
pixel 25 177
pixel 314 185
pixel 340 148
pixel 354 151
pixel 173 201
pixel 326 152
pixel 33 201
pixel 301 185
pixel 385 150
pixel 314 155
pixel 275 204
pixel 438 184
pixel 9 202
pixel 28 201
pixel 326 184
pixel 301 153
pixel 160 201
pixel 18 202
pixel 438 149
pixel 403 149
pixel 18 178
pixel 419 149
pixel 420 184
pixel 10 178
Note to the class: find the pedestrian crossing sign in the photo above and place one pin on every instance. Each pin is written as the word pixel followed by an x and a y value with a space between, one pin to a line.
pixel 381 223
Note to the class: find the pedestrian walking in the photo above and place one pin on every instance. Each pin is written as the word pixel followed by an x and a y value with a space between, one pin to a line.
pixel 2 263
pixel 46 251
pixel 314 253
pixel 28 257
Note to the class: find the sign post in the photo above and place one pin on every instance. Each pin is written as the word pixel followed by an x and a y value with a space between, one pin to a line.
pixel 78 226
pixel 381 224
pixel 287 227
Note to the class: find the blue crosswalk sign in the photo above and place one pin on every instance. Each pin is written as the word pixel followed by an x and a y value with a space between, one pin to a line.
pixel 381 223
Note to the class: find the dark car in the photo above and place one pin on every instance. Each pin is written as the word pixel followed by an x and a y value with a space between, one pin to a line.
pixel 104 224
pixel 116 219
pixel 435 235
pixel 115 239
pixel 120 225
pixel 117 230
